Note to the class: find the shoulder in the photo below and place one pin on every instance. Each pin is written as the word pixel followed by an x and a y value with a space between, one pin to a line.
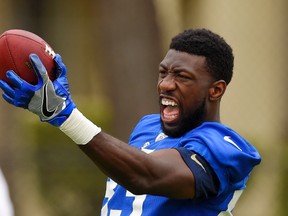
pixel 220 139
pixel 150 121
pixel 148 125
pixel 230 155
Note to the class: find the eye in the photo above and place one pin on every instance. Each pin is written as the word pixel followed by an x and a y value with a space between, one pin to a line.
pixel 162 73
pixel 184 76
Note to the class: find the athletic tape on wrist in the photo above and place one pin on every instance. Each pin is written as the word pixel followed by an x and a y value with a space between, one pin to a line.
pixel 80 129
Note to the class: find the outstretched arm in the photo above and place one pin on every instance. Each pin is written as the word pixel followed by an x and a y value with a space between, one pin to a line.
pixel 162 172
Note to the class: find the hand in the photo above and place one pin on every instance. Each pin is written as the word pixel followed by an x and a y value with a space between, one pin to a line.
pixel 51 101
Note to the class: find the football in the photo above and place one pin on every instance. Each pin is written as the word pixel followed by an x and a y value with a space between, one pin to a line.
pixel 15 47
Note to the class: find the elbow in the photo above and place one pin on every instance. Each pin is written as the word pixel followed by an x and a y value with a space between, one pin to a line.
pixel 138 186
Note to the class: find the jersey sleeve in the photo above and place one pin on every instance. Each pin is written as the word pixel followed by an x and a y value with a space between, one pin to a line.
pixel 206 181
pixel 230 156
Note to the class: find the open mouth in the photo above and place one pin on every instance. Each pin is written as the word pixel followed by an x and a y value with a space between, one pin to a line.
pixel 169 110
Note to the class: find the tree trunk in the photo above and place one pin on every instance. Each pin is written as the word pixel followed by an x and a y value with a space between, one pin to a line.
pixel 131 55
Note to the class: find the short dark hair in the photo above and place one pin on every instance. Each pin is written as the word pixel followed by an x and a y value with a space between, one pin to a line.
pixel 203 42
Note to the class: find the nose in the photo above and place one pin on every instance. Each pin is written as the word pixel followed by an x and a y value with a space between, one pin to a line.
pixel 167 83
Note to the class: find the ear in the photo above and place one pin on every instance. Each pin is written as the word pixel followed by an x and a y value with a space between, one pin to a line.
pixel 217 90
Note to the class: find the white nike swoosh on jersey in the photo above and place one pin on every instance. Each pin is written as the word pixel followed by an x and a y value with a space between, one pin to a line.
pixel 228 139
pixel 193 157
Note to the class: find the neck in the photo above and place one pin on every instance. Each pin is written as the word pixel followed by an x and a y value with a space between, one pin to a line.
pixel 213 113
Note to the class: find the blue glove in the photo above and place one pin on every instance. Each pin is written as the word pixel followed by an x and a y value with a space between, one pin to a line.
pixel 51 101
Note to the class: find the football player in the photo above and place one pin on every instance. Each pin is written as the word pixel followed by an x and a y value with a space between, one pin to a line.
pixel 181 161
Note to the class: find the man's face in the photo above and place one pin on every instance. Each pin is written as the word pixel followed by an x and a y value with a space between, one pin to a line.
pixel 183 91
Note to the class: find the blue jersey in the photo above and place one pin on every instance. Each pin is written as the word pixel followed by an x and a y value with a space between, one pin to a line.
pixel 230 156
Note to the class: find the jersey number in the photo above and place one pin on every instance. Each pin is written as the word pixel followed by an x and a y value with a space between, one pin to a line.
pixel 137 204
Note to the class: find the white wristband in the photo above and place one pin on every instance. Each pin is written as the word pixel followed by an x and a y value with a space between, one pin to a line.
pixel 80 129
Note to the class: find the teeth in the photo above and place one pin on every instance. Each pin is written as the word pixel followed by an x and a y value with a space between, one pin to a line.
pixel 167 102
pixel 170 116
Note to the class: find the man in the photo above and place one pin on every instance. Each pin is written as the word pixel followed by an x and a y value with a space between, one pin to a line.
pixel 183 161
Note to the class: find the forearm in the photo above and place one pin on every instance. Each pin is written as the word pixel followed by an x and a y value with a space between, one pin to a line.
pixel 126 165
pixel 123 163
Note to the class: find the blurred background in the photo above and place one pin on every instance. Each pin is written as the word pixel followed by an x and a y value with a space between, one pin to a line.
pixel 112 50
